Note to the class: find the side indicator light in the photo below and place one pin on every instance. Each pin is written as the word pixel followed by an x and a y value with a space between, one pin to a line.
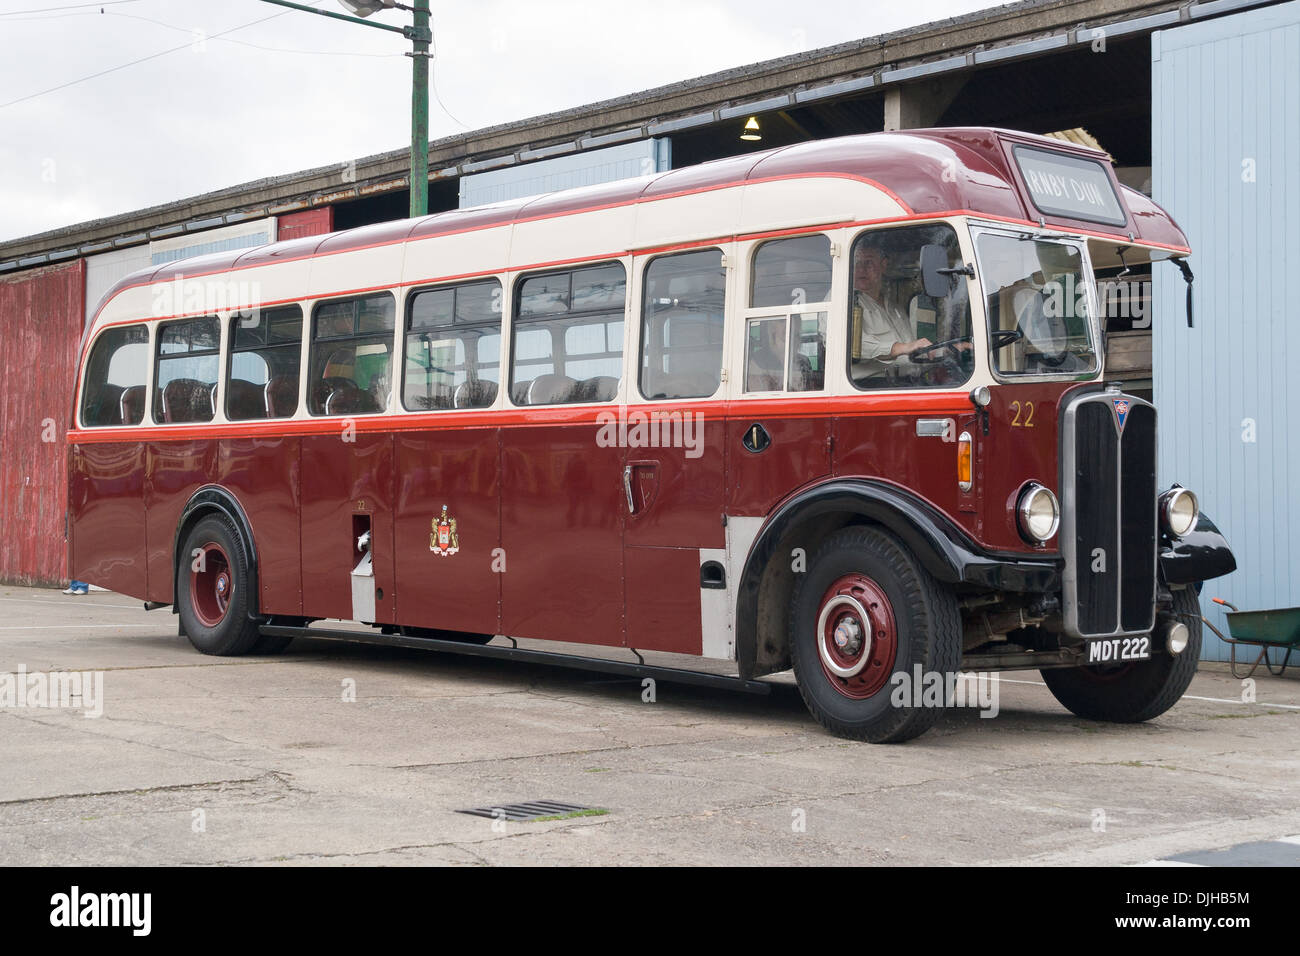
pixel 964 462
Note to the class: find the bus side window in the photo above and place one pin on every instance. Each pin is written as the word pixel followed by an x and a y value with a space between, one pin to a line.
pixel 265 359
pixel 785 344
pixel 568 336
pixel 113 393
pixel 681 325
pixel 351 355
pixel 453 347
pixel 185 383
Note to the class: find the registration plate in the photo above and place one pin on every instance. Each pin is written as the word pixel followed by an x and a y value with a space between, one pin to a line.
pixel 1119 649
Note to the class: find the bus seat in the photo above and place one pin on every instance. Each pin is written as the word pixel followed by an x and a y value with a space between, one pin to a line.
pixel 519 392
pixel 478 393
pixel 280 396
pixel 550 389
pixel 598 388
pixel 188 400
pixel 131 405
pixel 421 397
pixel 244 400
pixel 345 398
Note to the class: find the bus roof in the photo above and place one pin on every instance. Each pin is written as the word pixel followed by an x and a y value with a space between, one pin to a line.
pixel 949 171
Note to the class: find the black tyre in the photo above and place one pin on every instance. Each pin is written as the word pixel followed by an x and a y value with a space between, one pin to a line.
pixel 845 670
pixel 1137 691
pixel 213 591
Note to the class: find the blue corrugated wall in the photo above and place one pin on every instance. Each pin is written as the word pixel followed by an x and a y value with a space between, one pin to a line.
pixel 1226 164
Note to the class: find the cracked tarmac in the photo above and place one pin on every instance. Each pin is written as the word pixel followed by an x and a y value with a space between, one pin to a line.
pixel 201 760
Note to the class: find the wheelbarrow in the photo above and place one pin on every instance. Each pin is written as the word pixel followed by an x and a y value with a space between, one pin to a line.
pixel 1276 628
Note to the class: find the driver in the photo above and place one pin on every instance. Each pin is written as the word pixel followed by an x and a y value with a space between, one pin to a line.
pixel 887 334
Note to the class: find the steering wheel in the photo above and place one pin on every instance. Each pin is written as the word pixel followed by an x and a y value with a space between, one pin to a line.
pixel 1004 337
pixel 915 354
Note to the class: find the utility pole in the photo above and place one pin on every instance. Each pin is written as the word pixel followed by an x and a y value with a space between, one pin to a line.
pixel 421 37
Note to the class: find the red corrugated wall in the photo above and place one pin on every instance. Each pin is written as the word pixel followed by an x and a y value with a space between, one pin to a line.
pixel 41 316
pixel 312 222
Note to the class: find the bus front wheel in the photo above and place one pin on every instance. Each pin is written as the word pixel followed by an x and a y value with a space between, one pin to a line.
pixel 866 622
pixel 213 590
pixel 1139 690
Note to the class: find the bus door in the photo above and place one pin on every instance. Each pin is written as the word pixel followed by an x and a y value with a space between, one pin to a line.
pixel 673 437
pixel 562 497
pixel 779 421
pixel 348 477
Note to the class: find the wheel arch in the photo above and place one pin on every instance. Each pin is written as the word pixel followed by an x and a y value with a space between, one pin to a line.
pixel 767 582
pixel 209 500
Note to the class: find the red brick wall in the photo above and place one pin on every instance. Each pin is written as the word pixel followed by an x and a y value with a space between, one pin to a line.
pixel 41 317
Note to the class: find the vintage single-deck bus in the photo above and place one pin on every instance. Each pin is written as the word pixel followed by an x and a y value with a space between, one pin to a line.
pixel 836 407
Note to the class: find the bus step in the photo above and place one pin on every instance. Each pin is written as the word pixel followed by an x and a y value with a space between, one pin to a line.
pixel 550 658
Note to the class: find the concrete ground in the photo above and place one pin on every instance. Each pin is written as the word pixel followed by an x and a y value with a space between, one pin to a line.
pixel 202 760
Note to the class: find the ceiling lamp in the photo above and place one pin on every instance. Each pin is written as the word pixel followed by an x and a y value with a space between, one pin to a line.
pixel 751 133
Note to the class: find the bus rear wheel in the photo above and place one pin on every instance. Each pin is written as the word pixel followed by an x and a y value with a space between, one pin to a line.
pixel 213 590
pixel 1137 691
pixel 865 612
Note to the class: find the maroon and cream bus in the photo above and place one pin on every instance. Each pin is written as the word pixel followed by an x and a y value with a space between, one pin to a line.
pixel 836 407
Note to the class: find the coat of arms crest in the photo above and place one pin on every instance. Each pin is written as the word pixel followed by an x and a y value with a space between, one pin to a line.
pixel 443 539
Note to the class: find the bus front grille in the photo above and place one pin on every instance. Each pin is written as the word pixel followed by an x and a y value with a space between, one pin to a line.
pixel 1108 520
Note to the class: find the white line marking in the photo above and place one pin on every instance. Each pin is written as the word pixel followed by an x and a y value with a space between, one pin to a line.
pixel 1212 700
pixel 69 600
pixel 1229 700
pixel 56 627
pixel 1167 863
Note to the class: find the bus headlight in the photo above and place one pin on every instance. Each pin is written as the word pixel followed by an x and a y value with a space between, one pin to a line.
pixel 1179 510
pixel 1037 513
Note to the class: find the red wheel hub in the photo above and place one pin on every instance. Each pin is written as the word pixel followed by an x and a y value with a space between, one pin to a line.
pixel 857 638
pixel 212 585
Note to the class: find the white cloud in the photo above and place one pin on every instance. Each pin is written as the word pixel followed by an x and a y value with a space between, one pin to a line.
pixel 218 113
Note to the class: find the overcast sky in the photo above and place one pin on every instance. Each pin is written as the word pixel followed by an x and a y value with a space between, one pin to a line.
pixel 297 91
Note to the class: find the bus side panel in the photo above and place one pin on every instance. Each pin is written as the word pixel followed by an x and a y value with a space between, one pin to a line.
pixel 106 512
pixel 455 468
pixel 887 447
pixel 680 490
pixel 263 475
pixel 176 469
pixel 663 600
pixel 799 452
pixel 347 481
pixel 562 508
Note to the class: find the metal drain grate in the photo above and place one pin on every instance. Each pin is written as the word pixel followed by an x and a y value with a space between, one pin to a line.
pixel 522 812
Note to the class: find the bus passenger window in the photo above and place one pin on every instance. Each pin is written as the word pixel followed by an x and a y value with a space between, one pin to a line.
pixel 791 272
pixel 568 336
pixel 765 355
pixel 807 367
pixel 453 347
pixel 265 355
pixel 681 325
pixel 116 372
pixel 351 356
pixel 785 347
pixel 185 386
pixel 893 324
